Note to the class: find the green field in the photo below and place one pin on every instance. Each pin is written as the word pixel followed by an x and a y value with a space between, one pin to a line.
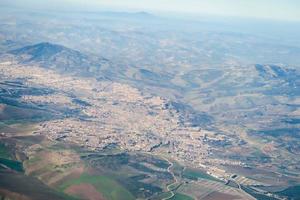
pixel 194 174
pixel 29 186
pixel 108 187
pixel 4 153
pixel 163 195
pixel 6 159
pixel 14 165
pixel 179 196
pixel 291 192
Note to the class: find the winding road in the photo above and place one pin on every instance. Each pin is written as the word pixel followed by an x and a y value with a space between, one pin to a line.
pixel 175 180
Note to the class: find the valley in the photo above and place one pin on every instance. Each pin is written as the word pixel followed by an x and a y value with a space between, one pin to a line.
pixel 109 106
pixel 107 154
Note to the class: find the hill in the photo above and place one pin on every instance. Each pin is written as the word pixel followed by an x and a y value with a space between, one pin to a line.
pixel 61 58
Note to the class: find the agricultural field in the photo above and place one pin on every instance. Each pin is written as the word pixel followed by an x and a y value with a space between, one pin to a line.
pixel 179 196
pixel 109 106
pixel 109 174
pixel 72 170
pixel 195 174
pixel 102 185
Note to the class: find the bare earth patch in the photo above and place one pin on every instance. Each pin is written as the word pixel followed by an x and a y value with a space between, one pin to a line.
pixel 85 191
pixel 220 196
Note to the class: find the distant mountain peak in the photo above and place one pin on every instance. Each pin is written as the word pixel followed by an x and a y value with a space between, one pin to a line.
pixel 61 58
pixel 48 45
pixel 128 15
pixel 43 48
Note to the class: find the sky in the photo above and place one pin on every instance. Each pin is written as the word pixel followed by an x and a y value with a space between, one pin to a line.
pixel 273 9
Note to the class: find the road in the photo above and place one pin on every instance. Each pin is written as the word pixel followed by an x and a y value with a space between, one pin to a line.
pixel 175 180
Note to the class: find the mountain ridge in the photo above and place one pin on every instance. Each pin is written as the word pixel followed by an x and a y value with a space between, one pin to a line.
pixel 58 57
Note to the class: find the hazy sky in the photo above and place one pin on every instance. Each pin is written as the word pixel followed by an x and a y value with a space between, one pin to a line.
pixel 275 9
